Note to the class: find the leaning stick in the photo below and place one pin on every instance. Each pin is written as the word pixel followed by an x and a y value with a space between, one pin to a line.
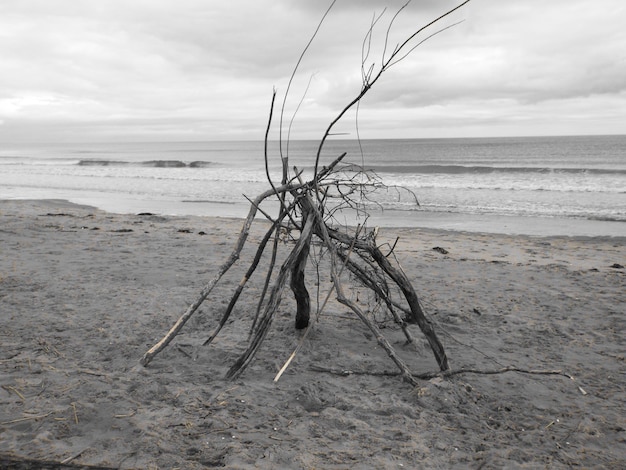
pixel 409 293
pixel 241 285
pixel 306 332
pixel 367 281
pixel 245 279
pixel 234 256
pixel 274 301
pixel 323 233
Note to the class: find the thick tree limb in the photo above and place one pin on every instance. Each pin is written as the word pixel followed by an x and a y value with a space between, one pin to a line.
pixel 298 286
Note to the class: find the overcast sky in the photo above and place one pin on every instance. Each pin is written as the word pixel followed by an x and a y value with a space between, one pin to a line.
pixel 80 70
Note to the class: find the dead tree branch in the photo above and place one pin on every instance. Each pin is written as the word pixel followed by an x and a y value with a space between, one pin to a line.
pixel 310 211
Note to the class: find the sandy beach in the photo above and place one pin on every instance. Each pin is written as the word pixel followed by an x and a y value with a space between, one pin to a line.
pixel 84 294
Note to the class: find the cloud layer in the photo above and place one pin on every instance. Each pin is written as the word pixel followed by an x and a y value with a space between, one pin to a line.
pixel 198 70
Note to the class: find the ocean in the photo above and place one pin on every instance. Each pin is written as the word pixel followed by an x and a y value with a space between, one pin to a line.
pixel 520 185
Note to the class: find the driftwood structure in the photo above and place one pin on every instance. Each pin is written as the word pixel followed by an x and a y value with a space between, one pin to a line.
pixel 308 211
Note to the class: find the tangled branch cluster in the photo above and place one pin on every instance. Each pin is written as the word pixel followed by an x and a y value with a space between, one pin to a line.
pixel 315 213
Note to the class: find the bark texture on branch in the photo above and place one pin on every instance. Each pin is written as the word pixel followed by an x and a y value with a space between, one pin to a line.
pixel 298 286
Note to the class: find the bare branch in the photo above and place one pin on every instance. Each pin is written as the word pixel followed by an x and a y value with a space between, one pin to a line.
pixel 426 26
pixel 400 59
pixel 371 81
pixel 389 31
pixel 293 74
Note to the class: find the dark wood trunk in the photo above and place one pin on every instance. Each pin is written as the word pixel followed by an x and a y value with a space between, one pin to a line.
pixel 300 291
pixel 298 287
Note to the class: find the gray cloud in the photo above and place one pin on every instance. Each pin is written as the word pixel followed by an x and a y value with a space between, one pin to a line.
pixel 198 69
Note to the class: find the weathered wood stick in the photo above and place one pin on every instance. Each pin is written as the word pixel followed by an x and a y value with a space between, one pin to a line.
pixel 206 290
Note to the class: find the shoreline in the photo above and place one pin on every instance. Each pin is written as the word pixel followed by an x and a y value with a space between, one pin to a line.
pixel 470 223
pixel 84 293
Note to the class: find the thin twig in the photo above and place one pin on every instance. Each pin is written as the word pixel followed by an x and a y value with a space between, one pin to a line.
pixel 10 388
pixel 450 373
pixel 293 74
pixel 28 418
pixel 446 374
pixel 347 372
pixel 74 456
pixel 368 85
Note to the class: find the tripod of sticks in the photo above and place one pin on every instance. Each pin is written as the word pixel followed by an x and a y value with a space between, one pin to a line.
pixel 308 212
pixel 354 249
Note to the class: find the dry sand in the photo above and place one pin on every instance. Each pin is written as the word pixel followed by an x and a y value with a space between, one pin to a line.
pixel 84 293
